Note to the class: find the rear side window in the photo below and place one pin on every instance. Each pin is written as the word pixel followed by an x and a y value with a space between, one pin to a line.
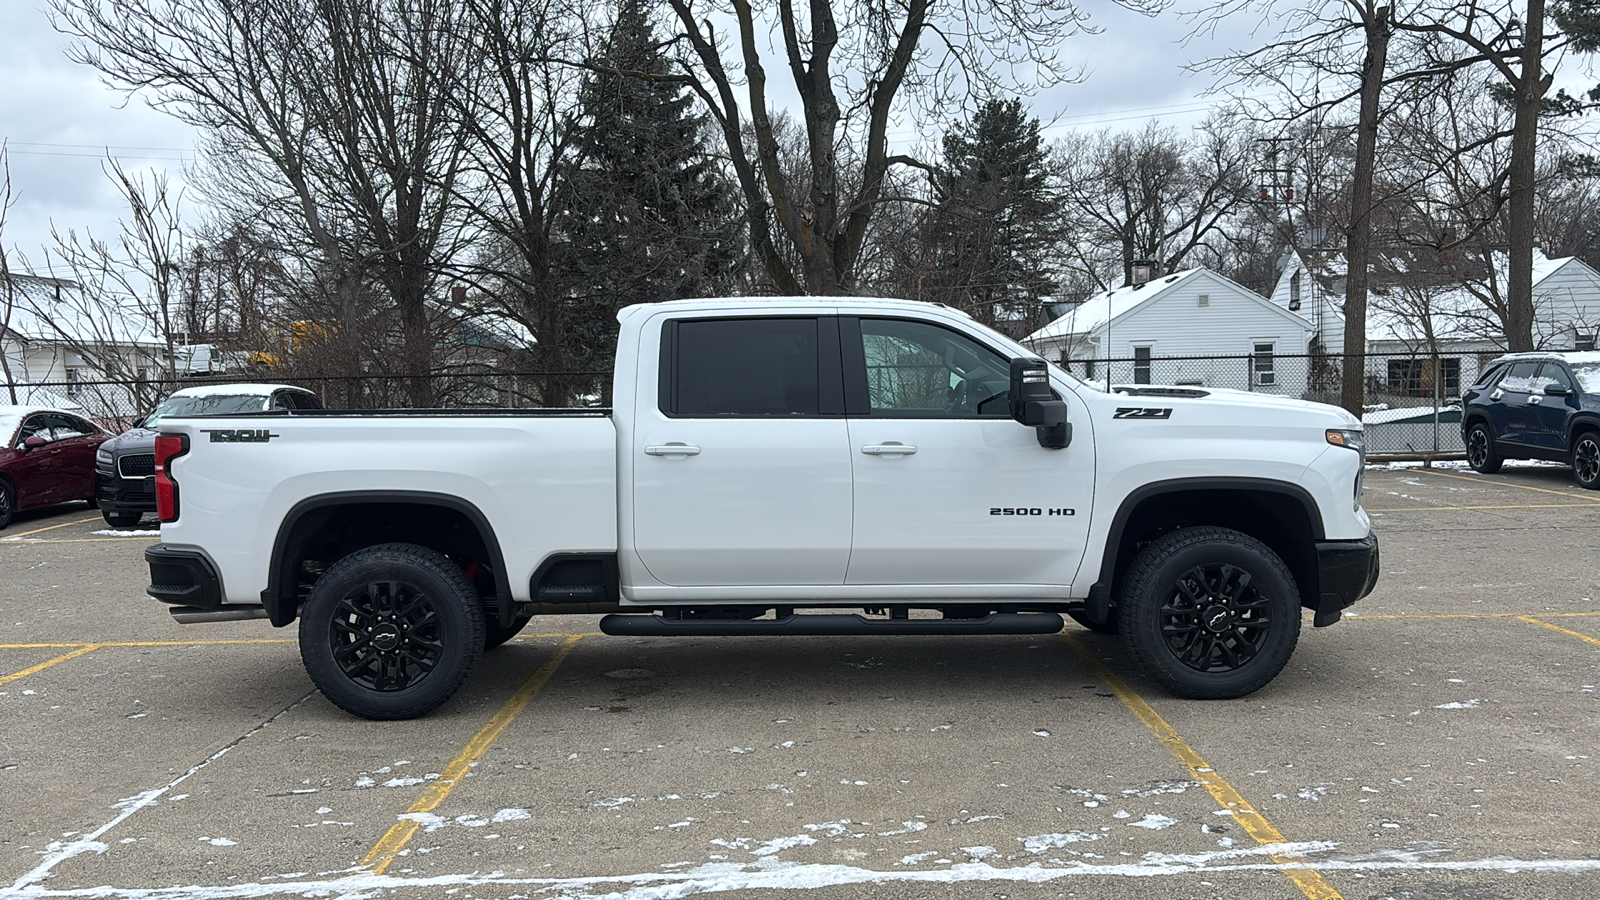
pixel 1520 377
pixel 746 367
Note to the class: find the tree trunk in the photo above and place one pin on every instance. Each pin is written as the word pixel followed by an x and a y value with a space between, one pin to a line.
pixel 1358 241
pixel 1520 202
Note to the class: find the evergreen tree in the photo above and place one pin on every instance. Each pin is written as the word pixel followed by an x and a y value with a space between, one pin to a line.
pixel 985 245
pixel 652 216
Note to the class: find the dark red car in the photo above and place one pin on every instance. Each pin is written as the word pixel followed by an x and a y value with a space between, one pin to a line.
pixel 47 457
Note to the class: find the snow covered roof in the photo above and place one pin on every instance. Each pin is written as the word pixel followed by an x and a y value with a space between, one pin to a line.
pixel 1107 306
pixel 234 390
pixel 52 310
pixel 1395 312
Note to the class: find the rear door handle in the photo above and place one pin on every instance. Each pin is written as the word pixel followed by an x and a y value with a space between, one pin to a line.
pixel 1497 394
pixel 889 448
pixel 672 448
pixel 1533 400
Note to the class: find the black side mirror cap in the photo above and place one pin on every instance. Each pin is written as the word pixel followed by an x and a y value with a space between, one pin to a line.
pixel 1557 390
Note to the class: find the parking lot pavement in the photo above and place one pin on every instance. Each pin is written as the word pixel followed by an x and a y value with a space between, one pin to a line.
pixel 1437 743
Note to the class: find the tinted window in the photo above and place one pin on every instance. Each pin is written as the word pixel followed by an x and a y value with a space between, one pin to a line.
pixel 918 369
pixel 1551 373
pixel 1520 377
pixel 745 367
pixel 33 426
pixel 206 405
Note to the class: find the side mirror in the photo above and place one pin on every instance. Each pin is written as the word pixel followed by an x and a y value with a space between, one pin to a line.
pixel 33 442
pixel 1557 390
pixel 1035 405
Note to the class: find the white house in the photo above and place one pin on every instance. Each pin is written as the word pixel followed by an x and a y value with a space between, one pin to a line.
pixel 1173 329
pixel 52 334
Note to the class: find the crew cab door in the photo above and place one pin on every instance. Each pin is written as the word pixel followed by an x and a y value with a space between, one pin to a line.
pixel 741 465
pixel 949 489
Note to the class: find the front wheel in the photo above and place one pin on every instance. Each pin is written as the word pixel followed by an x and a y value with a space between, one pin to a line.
pixel 1481 455
pixel 391 631
pixel 1586 460
pixel 1211 612
pixel 8 502
pixel 120 519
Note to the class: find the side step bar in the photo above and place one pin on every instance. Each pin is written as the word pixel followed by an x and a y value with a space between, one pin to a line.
pixel 635 625
pixel 227 612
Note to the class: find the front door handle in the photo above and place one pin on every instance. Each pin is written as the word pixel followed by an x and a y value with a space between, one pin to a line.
pixel 889 448
pixel 1533 400
pixel 672 448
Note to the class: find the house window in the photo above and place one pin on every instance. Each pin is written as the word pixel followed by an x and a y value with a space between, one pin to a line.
pixel 1415 378
pixel 1141 365
pixel 74 382
pixel 1263 365
pixel 1294 290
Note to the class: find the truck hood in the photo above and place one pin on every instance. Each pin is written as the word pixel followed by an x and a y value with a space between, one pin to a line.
pixel 1205 396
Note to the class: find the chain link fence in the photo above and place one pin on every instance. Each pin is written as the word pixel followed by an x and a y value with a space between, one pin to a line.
pixel 1413 407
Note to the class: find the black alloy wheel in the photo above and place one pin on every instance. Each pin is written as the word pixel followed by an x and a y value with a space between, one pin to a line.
pixel 1481 455
pixel 391 631
pixel 8 502
pixel 1586 460
pixel 1211 612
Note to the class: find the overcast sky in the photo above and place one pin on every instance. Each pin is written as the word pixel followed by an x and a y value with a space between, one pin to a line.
pixel 58 121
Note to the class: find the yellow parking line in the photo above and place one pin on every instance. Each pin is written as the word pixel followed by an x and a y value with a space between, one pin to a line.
pixel 7 679
pixel 1580 636
pixel 1524 487
pixel 50 528
pixel 1372 509
pixel 394 841
pixel 1256 825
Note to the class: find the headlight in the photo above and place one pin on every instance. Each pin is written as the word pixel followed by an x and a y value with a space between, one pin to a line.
pixel 1352 439
pixel 102 455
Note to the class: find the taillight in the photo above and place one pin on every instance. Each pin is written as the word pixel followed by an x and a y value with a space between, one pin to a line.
pixel 168 448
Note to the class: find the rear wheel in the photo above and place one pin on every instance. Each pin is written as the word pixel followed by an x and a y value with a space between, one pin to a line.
pixel 121 519
pixel 1586 460
pixel 1481 455
pixel 391 631
pixel 1211 612
pixel 8 502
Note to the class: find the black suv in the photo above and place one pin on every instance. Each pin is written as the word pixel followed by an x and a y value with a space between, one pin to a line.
pixel 1536 406
pixel 125 466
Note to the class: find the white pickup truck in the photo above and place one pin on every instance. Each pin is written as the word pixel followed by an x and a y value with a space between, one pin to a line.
pixel 776 466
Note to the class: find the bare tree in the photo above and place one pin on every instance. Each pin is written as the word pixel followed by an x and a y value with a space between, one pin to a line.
pixel 334 110
pixel 7 290
pixel 854 67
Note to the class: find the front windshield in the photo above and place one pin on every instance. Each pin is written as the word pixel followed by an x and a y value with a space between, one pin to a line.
pixel 1588 377
pixel 206 405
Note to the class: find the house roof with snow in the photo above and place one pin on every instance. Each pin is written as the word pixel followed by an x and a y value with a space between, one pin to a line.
pixel 1110 306
pixel 1397 312
pixel 53 310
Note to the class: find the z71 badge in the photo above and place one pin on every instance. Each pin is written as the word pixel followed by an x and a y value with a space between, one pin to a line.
pixel 1142 412
pixel 239 435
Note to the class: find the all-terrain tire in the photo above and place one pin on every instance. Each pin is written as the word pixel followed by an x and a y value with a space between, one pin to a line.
pixel 1210 612
pixel 1481 453
pixel 391 631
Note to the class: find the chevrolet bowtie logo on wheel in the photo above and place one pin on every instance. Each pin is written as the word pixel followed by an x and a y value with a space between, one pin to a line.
pixel 239 435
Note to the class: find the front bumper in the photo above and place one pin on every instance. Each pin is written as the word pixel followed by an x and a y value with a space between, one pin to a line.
pixel 117 494
pixel 1346 572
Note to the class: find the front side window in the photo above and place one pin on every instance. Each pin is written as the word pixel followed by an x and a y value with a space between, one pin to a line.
pixel 743 367
pixel 1550 373
pixel 921 370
